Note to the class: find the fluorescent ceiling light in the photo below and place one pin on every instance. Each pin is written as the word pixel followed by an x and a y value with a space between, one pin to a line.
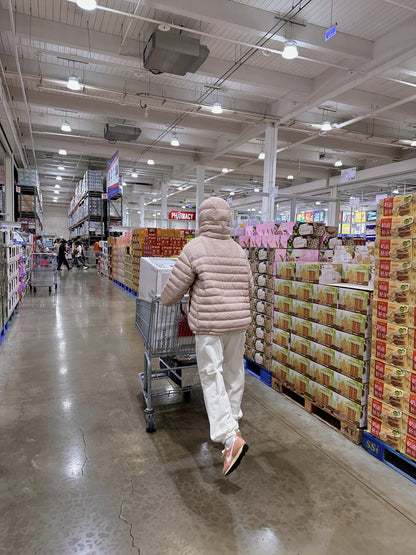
pixel 290 177
pixel 413 143
pixel 256 190
pixel 61 168
pixel 396 191
pixel 326 126
pixel 225 170
pixel 158 213
pixel 325 209
pixel 73 83
pixel 57 186
pixel 338 163
pixel 216 108
pixel 277 206
pixel 318 203
pixel 66 127
pixel 290 50
pixel 180 188
pixel 138 211
pixel 55 198
pixel 88 5
pixel 58 178
pixel 134 174
pixel 174 141
pixel 262 155
pixel 183 207
pixel 232 194
pixel 62 152
pixel 151 162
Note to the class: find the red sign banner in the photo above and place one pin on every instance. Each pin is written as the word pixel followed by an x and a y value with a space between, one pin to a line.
pixel 177 215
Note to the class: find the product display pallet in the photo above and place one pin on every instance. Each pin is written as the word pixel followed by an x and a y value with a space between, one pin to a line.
pixel 6 326
pixel 125 288
pixel 389 456
pixel 258 371
pixel 325 414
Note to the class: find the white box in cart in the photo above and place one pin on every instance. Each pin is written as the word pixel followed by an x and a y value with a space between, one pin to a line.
pixel 154 274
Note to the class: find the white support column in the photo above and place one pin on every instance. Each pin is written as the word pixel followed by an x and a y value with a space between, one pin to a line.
pixel 293 203
pixel 269 173
pixel 200 185
pixel 164 203
pixel 334 207
pixel 142 224
pixel 9 208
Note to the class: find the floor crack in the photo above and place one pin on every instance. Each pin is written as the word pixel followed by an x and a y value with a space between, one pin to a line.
pixel 120 516
pixel 85 451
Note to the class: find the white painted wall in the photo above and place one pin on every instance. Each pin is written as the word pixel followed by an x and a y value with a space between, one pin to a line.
pixel 55 220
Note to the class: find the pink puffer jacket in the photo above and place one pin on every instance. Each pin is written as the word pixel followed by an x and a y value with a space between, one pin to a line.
pixel 216 271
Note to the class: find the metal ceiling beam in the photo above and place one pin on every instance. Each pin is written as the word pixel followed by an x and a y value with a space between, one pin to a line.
pixel 252 20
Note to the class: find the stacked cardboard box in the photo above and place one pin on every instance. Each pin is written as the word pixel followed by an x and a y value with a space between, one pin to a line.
pixel 312 335
pixel 392 401
pixel 105 258
pixel 137 245
pixel 164 242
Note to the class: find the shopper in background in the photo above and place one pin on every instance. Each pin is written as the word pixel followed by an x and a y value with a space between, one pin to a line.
pixel 96 251
pixel 39 247
pixel 81 255
pixel 62 255
pixel 216 271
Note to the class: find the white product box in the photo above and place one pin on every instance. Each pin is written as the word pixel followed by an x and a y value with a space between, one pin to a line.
pixel 154 274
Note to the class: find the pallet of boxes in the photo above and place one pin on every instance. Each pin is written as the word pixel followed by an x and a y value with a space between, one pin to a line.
pixel 137 245
pixel 392 401
pixel 318 348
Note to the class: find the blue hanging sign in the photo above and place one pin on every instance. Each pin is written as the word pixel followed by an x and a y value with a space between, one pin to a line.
pixel 331 33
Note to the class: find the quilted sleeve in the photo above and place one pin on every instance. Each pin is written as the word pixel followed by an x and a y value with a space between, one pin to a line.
pixel 180 280
pixel 250 280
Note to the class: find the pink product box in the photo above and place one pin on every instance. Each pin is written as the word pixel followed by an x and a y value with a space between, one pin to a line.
pixel 304 255
pixel 250 230
pixel 265 229
pixel 284 228
pixel 244 241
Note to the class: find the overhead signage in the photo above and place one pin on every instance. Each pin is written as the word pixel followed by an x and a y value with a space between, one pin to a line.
pixel 179 215
pixel 104 196
pixel 348 175
pixel 17 189
pixel 381 196
pixel 113 177
pixel 331 33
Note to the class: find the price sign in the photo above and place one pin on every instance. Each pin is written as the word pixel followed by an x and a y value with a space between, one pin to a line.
pixel 348 175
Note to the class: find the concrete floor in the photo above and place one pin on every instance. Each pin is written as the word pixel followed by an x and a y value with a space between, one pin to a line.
pixel 79 474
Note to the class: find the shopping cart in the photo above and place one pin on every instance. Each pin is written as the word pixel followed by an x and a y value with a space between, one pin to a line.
pixel 43 270
pixel 167 337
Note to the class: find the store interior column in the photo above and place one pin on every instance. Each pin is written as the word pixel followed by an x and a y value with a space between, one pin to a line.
pixel 200 185
pixel 334 208
pixel 269 173
pixel 142 224
pixel 164 203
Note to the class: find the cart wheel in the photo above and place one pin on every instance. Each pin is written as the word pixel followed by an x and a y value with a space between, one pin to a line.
pixel 34 289
pixel 150 424
pixel 56 286
pixel 50 289
pixel 187 395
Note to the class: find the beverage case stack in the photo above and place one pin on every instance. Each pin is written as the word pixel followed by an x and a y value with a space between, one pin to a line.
pixel 311 318
pixel 392 401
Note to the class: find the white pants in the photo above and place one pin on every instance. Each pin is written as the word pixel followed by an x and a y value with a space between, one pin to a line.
pixel 221 369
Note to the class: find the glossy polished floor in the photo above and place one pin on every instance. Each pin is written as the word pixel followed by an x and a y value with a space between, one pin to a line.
pixel 79 474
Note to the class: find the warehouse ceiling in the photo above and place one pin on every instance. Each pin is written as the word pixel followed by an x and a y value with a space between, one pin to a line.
pixel 362 80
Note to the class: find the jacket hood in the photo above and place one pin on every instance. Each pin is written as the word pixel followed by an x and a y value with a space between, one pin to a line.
pixel 214 218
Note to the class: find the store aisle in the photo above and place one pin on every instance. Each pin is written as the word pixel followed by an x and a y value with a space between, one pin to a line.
pixel 79 474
